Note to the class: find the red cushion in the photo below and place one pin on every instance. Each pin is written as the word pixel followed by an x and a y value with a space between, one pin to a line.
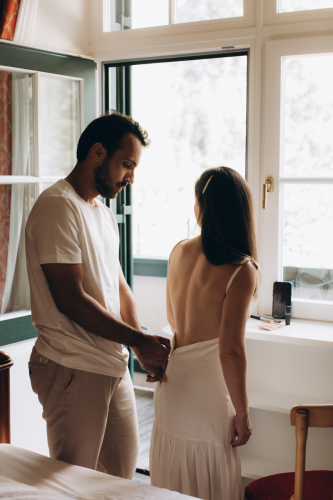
pixel 318 485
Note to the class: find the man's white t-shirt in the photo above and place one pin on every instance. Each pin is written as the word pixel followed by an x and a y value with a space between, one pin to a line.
pixel 62 228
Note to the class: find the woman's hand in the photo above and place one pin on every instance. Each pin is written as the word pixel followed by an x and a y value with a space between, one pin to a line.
pixel 243 430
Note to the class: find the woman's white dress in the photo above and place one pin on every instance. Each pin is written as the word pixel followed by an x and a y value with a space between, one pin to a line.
pixel 190 448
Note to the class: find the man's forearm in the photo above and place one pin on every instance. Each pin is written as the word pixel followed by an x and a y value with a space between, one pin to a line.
pixel 128 308
pixel 90 315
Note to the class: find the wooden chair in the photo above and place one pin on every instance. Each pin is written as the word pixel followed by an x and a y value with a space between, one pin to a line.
pixel 5 364
pixel 301 485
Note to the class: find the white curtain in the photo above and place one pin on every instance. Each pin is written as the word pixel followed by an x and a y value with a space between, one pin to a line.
pixel 26 22
pixel 16 293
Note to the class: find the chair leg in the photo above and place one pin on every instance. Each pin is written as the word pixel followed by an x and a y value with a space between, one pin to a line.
pixel 302 422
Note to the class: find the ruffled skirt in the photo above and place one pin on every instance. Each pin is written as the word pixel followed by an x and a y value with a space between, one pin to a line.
pixel 194 423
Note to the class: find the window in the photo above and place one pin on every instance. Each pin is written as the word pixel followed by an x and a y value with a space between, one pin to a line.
pixel 125 14
pixel 288 133
pixel 308 162
pixel 299 155
pixel 40 124
pixel 196 117
pixel 299 5
pixel 193 11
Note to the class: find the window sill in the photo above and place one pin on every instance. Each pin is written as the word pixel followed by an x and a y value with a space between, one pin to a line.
pixel 14 315
pixel 15 327
pixel 156 267
pixel 299 332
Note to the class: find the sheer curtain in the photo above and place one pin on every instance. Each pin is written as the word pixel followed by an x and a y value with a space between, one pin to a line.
pixel 16 280
pixel 26 22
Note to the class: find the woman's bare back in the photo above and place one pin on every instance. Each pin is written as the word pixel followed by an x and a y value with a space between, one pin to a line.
pixel 195 294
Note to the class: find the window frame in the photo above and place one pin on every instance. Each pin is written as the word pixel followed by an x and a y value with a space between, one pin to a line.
pixel 108 44
pixel 150 265
pixel 262 27
pixel 271 218
pixel 39 179
pixel 10 329
pixel 272 17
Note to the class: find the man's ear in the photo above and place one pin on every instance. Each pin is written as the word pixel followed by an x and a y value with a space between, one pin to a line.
pixel 98 152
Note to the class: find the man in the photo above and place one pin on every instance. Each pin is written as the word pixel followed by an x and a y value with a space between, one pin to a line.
pixel 84 310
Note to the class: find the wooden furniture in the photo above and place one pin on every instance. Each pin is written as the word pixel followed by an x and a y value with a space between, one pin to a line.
pixel 301 485
pixel 5 365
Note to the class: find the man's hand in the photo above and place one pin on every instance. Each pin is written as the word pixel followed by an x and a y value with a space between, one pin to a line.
pixel 154 350
pixel 156 373
pixel 153 353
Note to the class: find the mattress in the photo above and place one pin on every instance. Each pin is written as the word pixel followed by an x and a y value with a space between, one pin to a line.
pixel 29 476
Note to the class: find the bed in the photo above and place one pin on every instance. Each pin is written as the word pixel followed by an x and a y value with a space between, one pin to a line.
pixel 25 475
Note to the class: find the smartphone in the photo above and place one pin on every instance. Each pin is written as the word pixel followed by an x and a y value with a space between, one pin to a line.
pixel 281 298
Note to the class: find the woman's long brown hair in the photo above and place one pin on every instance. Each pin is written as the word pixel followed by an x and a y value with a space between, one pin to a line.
pixel 226 217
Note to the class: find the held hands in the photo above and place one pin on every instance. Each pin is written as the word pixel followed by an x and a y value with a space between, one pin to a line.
pixel 153 353
pixel 243 430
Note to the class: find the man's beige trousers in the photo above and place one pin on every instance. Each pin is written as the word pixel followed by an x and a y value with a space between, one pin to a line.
pixel 91 418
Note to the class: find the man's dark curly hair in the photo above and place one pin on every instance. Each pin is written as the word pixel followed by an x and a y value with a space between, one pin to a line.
pixel 109 130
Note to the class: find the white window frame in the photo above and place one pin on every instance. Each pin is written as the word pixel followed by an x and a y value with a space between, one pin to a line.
pixel 37 179
pixel 109 44
pixel 271 17
pixel 259 29
pixel 271 218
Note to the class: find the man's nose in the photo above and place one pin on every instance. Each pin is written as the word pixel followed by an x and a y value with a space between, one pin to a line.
pixel 130 177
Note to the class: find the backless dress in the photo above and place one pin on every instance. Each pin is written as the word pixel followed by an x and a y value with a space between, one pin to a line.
pixel 190 449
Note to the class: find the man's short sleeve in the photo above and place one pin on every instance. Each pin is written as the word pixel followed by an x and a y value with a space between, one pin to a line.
pixel 55 232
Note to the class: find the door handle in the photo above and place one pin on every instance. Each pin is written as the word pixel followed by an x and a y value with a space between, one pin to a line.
pixel 267 188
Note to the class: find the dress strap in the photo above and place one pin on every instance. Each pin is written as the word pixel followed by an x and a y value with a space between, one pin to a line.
pixel 233 276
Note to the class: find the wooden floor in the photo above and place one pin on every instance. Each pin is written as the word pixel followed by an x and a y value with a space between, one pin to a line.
pixel 145 411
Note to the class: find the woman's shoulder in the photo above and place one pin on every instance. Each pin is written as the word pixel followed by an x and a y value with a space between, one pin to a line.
pixel 246 278
pixel 188 246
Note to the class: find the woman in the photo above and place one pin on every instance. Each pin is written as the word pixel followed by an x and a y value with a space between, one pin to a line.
pixel 202 411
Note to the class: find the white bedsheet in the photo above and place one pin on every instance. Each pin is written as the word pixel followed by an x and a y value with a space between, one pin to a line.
pixel 10 490
pixel 58 478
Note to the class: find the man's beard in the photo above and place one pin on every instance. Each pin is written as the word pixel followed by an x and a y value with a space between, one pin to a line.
pixel 104 183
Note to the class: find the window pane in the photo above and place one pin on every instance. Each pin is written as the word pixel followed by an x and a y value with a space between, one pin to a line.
pixel 307 239
pixel 297 5
pixel 59 125
pixel 192 10
pixel 147 13
pixel 125 14
pixel 16 203
pixel 16 124
pixel 195 114
pixel 308 145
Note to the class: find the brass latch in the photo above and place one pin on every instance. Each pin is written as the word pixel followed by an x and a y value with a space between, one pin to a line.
pixel 267 188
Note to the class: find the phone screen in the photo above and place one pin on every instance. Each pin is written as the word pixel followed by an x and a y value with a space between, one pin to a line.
pixel 281 298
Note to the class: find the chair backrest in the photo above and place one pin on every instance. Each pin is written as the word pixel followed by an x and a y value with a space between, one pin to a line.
pixel 304 416
pixel 5 364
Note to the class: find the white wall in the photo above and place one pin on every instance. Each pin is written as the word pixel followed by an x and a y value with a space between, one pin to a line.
pixel 63 25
